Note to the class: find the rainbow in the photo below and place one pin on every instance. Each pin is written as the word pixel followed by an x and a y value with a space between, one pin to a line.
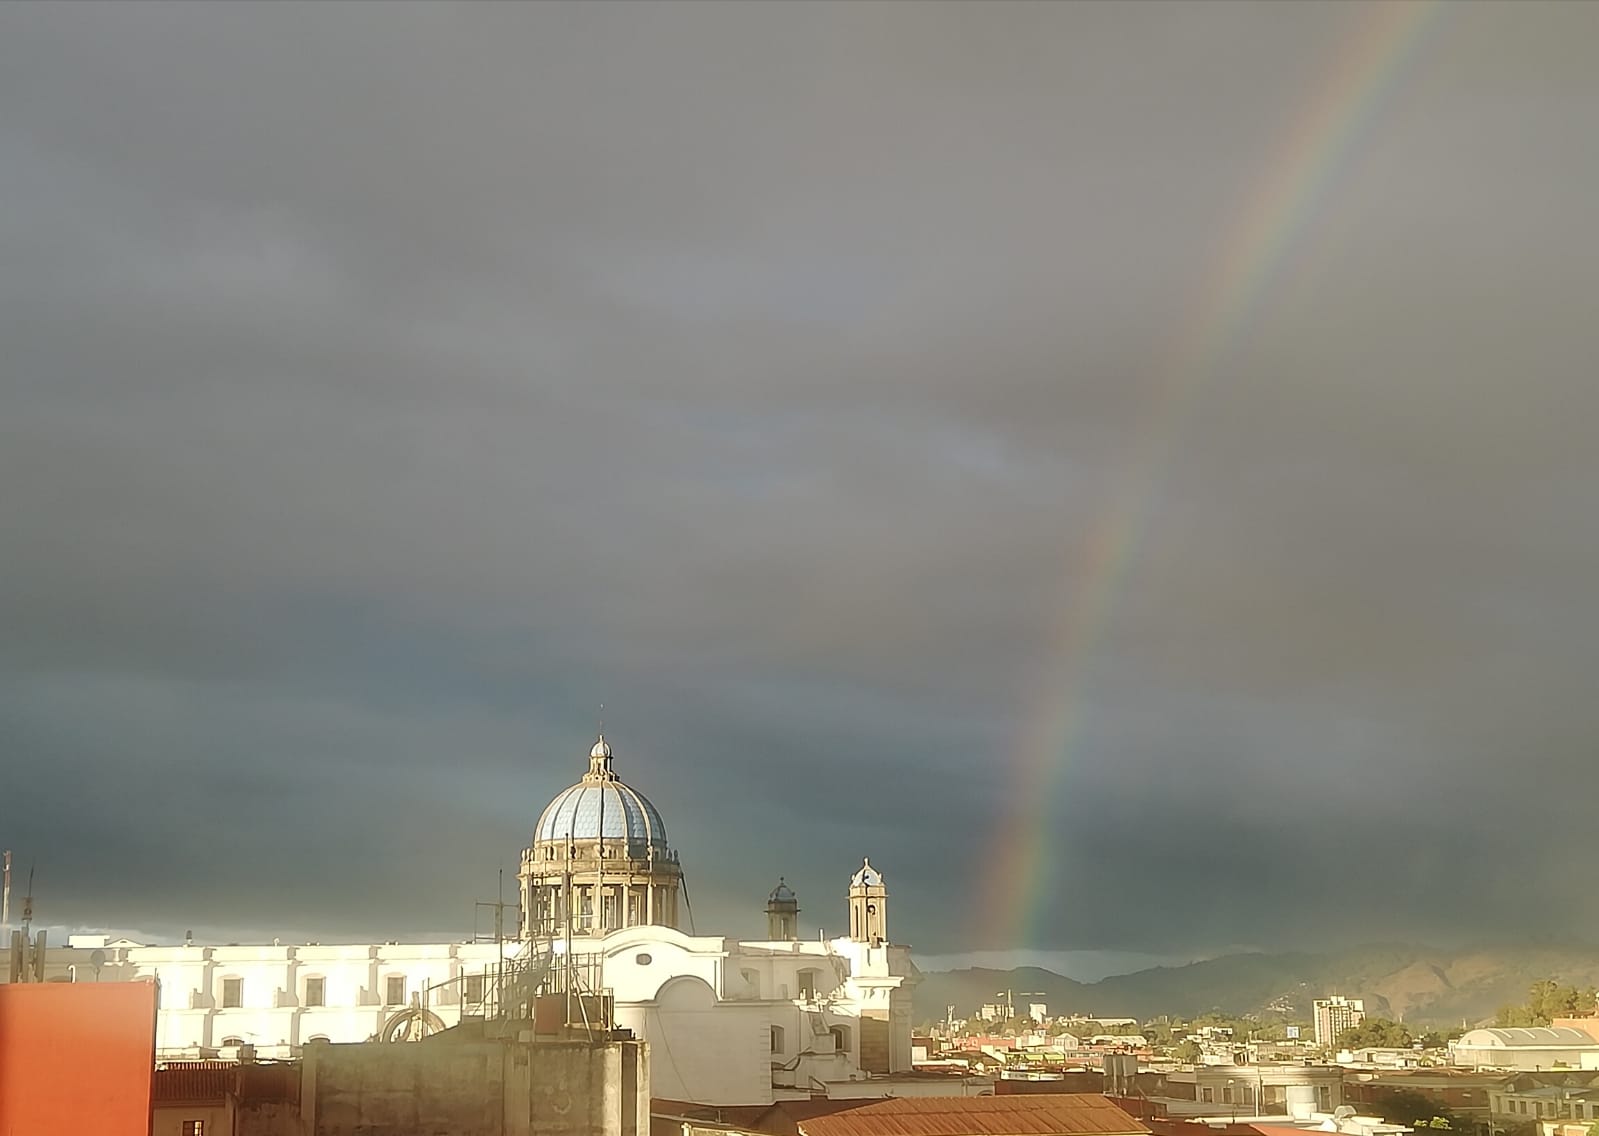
pixel 1363 76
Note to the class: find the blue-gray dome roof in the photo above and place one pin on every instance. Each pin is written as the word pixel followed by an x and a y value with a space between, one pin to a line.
pixel 602 806
pixel 609 809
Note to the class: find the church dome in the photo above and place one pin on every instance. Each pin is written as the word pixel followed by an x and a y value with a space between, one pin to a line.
pixel 603 807
pixel 782 893
pixel 607 810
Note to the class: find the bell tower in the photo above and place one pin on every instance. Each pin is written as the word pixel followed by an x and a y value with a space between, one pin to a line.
pixel 782 914
pixel 868 906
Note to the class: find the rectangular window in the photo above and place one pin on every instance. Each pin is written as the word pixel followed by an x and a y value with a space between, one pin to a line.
pixel 316 992
pixel 1207 1095
pixel 474 988
pixel 1324 1097
pixel 194 1128
pixel 1227 1093
pixel 394 990
pixel 232 993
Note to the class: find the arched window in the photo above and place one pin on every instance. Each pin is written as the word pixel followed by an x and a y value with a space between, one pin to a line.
pixel 840 1038
pixel 777 1039
pixel 227 1041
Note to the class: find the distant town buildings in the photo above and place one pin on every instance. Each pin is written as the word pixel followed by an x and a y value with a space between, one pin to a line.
pixel 1334 1015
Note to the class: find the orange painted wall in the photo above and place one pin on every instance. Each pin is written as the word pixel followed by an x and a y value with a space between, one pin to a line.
pixel 77 1057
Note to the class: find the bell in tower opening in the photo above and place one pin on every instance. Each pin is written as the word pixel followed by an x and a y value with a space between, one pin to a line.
pixel 868 906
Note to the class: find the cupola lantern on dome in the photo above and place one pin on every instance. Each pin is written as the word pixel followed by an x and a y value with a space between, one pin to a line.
pixel 599 859
pixel 600 762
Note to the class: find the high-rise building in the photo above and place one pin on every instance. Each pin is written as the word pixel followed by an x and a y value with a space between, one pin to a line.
pixel 1336 1014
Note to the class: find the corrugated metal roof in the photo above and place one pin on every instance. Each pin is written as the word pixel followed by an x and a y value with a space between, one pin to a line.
pixel 1527 1035
pixel 192 1083
pixel 1063 1114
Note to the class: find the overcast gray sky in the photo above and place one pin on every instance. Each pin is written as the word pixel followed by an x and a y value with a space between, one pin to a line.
pixel 386 386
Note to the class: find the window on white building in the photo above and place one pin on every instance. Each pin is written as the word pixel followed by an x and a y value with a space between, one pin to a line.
pixel 394 990
pixel 777 1039
pixel 234 1041
pixel 232 993
pixel 316 993
pixel 807 984
pixel 840 1039
pixel 474 989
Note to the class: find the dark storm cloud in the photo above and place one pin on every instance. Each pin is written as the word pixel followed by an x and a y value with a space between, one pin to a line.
pixel 385 387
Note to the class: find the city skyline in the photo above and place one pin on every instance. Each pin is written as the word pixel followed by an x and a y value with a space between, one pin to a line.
pixel 1122 468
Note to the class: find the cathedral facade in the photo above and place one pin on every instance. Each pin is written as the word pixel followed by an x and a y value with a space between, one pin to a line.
pixel 729 1021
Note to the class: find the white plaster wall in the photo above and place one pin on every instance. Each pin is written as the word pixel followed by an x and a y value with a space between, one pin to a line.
pixel 671 954
pixel 721 1046
pixel 703 1050
pixel 274 1016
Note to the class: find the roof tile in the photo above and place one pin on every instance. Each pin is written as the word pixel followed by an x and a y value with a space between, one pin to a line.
pixel 1062 1114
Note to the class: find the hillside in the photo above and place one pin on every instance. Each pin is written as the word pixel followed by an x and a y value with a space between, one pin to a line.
pixel 1420 984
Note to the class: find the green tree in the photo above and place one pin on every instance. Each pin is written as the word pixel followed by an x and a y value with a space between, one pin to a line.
pixel 1547 1000
pixel 1375 1033
pixel 1159 1032
pixel 1188 1051
pixel 1416 1110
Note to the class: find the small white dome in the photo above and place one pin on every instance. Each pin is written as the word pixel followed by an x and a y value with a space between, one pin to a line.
pixel 602 748
pixel 867 876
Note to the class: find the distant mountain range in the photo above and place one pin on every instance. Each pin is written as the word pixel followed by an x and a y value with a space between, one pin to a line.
pixel 1421 985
